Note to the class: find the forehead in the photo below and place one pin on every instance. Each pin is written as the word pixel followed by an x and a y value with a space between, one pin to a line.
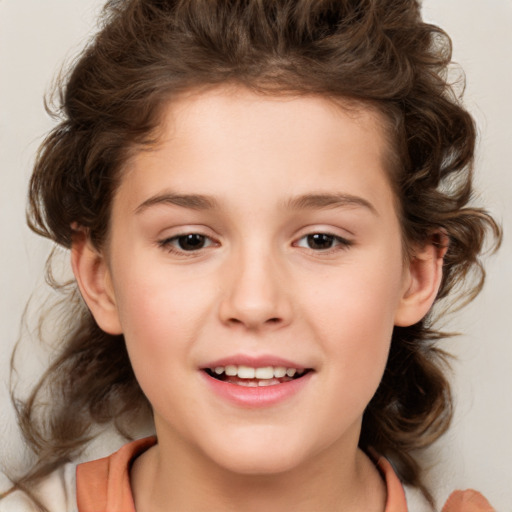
pixel 225 140
pixel 225 107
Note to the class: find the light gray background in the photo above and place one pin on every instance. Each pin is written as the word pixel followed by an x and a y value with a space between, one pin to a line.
pixel 36 36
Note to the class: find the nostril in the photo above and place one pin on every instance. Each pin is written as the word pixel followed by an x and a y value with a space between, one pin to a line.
pixel 273 320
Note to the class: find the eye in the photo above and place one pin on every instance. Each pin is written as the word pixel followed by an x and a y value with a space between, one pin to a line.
pixel 188 242
pixel 322 242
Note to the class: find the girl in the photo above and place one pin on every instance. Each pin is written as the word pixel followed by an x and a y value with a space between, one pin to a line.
pixel 262 201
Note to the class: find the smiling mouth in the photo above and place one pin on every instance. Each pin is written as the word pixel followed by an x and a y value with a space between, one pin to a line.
pixel 248 376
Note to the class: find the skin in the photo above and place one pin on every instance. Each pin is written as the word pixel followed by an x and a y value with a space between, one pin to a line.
pixel 258 287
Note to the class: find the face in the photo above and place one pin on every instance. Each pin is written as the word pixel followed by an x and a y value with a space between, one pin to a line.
pixel 256 272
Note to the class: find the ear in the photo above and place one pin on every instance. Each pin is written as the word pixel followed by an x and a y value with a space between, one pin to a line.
pixel 422 280
pixel 95 284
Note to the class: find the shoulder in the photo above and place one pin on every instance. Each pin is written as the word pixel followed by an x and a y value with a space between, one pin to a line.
pixel 467 501
pixel 459 501
pixel 104 484
pixel 56 492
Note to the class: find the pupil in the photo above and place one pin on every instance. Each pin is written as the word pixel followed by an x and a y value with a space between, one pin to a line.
pixel 191 242
pixel 320 241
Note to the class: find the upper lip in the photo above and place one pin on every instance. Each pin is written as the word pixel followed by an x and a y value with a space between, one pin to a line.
pixel 255 362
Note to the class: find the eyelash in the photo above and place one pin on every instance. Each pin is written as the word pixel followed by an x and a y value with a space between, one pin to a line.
pixel 340 243
pixel 168 244
pixel 171 244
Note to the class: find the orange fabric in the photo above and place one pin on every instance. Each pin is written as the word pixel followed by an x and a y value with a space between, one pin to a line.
pixel 103 485
pixel 467 501
pixel 395 501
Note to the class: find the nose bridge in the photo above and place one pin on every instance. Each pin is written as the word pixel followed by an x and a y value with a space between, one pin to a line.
pixel 256 295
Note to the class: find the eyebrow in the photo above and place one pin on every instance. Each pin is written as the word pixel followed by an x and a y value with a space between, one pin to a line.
pixel 302 202
pixel 192 201
pixel 321 200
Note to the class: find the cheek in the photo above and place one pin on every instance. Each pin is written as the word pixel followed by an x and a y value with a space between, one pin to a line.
pixel 353 316
pixel 160 325
pixel 358 298
pixel 160 314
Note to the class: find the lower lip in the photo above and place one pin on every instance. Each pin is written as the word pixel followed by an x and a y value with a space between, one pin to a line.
pixel 257 397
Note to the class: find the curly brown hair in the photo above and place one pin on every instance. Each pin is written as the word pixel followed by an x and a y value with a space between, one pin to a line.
pixel 377 53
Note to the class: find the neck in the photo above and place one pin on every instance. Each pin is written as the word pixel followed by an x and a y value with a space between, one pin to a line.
pixel 165 480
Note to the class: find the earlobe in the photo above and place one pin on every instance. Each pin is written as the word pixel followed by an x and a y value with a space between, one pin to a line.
pixel 424 275
pixel 94 281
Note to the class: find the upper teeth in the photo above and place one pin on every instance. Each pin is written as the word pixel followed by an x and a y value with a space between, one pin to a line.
pixel 247 372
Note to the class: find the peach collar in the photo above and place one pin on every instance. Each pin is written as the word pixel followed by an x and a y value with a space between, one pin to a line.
pixel 104 484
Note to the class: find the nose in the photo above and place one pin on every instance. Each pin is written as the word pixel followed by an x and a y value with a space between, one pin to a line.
pixel 256 292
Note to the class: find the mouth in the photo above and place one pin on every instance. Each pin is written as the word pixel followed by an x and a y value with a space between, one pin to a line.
pixel 248 376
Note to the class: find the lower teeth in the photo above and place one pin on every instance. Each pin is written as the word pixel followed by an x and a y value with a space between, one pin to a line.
pixel 255 383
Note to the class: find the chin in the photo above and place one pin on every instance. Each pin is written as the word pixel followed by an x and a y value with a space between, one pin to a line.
pixel 259 465
pixel 263 457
